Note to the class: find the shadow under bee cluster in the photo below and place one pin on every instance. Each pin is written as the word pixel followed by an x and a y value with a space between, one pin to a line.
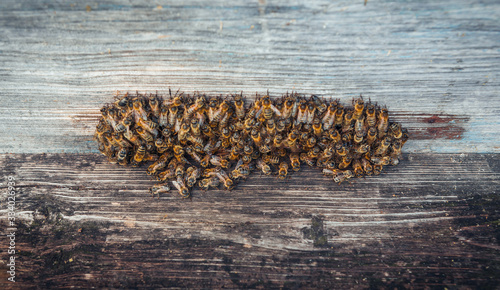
pixel 213 141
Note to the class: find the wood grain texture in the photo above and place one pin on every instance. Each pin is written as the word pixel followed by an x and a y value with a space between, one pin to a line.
pixel 432 220
pixel 60 61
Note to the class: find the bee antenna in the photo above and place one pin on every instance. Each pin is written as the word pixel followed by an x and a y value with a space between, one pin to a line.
pixel 170 92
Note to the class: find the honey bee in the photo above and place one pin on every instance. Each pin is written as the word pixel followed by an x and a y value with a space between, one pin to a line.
pixel 383 146
pixel 270 127
pixel 209 182
pixel 311 109
pixel 319 104
pixel 144 135
pixel 294 161
pixel 148 126
pixel 207 131
pixel 358 137
pixel 317 127
pixel 380 160
pixel 327 171
pixel 395 153
pixel 249 125
pixel 329 117
pixel 139 111
pixel 237 174
pixel 255 108
pixel 226 133
pixel 167 174
pixel 396 130
pixel 179 121
pixel 199 104
pixel 239 104
pixel 122 156
pixel 172 115
pixel 163 118
pixel 359 125
pixel 341 150
pixel 283 170
pixel 377 169
pixel 281 126
pixel 288 107
pixel 178 150
pixel 302 112
pixel 235 153
pixel 180 169
pixel 357 167
pixel 278 141
pixel 195 127
pixel 140 153
pixel 371 118
pixel 311 142
pixel 159 188
pixel 346 160
pixel 159 164
pixel 274 158
pixel 303 137
pixel 347 125
pixel 367 166
pixel 108 116
pixel 205 161
pixel 361 148
pixel 218 161
pixel 246 158
pixel 225 179
pixel 120 141
pixel 175 100
pixel 224 122
pixel 181 187
pixel 304 157
pixel 314 152
pixel 383 122
pixel 191 152
pixel 340 176
pixel 256 137
pixel 265 168
pixel 404 137
pixel 217 115
pixel 268 109
pixel 334 136
pixel 339 116
pixel 192 174
pixel 359 105
pixel 154 104
pixel 123 102
pixel 265 148
pixel 183 132
pixel 371 136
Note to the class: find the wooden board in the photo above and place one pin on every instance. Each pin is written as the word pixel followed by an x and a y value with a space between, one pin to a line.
pixel 432 221
pixel 62 61
pixel 88 223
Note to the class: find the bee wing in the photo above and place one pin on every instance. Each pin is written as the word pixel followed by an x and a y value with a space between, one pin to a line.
pixel 176 184
pixel 276 111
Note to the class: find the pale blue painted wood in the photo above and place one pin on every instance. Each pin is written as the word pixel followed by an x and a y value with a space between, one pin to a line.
pixel 59 62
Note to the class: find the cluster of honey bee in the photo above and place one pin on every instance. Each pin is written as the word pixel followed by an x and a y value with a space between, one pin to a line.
pixel 213 141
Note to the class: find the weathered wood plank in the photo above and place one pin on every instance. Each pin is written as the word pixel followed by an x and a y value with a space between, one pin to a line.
pixel 60 62
pixel 432 220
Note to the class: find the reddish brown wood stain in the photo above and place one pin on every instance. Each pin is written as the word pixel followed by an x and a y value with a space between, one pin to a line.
pixel 422 126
